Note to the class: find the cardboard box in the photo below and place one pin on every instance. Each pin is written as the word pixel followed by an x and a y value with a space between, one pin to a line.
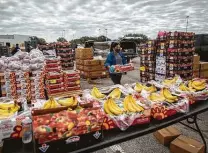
pixel 167 135
pixel 91 62
pixel 196 59
pixel 93 68
pixel 184 144
pixel 95 74
pixel 204 65
pixel 204 69
pixel 84 53
pixel 102 62
pixel 196 66
pixel 195 73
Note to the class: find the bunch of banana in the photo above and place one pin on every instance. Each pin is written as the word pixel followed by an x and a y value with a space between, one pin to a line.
pixel 138 87
pixel 7 110
pixel 96 93
pixel 150 89
pixel 130 105
pixel 168 96
pixel 111 108
pixel 68 102
pixel 183 87
pixel 155 97
pixel 170 81
pixel 198 85
pixel 51 103
pixel 115 94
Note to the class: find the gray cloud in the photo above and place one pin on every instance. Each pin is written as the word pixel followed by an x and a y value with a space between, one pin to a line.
pixel 48 18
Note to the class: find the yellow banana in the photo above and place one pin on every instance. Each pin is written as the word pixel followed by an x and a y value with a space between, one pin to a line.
pixel 168 95
pixel 66 102
pixel 138 87
pixel 47 104
pixel 75 103
pixel 135 105
pixel 116 93
pixel 96 93
pixel 114 110
pixel 199 82
pixel 150 89
pixel 156 97
pixel 106 109
pixel 6 106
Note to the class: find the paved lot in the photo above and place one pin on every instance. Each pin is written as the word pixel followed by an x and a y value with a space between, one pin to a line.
pixel 147 143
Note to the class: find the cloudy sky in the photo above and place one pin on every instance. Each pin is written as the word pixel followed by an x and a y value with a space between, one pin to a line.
pixel 48 18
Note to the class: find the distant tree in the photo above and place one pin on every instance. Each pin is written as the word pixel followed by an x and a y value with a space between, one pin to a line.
pixel 61 39
pixel 41 41
pixel 83 39
pixel 138 38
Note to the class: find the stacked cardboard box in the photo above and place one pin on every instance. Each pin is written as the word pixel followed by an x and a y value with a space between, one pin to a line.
pixel 196 66
pixel 180 54
pixel 148 61
pixel 89 67
pixel 203 70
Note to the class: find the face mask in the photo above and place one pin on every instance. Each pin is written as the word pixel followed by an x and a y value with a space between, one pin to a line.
pixel 117 50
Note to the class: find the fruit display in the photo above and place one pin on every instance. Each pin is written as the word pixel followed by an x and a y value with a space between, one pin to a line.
pixel 64 124
pixel 170 81
pixel 115 94
pixel 130 105
pixel 8 109
pixel 97 94
pixel 111 108
pixel 139 87
pixel 68 102
pixel 51 103
pixel 169 97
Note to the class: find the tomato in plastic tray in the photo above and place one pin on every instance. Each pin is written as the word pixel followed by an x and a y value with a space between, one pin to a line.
pixel 72 74
pixel 70 84
pixel 55 81
pixel 52 61
pixel 54 69
pixel 73 88
pixel 71 79
pixel 54 75
pixel 53 91
pixel 54 86
pixel 51 65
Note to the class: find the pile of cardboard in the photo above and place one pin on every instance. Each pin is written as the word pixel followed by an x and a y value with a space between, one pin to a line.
pixel 178 143
pixel 200 69
pixel 88 66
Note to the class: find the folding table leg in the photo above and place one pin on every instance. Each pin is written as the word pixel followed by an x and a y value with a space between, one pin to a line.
pixel 193 120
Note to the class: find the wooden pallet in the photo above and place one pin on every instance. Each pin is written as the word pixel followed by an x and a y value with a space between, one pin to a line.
pixel 66 94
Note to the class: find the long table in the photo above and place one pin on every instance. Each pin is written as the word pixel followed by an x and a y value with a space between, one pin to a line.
pixel 116 136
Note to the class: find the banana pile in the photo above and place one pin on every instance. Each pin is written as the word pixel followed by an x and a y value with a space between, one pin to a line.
pixel 111 108
pixel 8 109
pixel 68 102
pixel 130 105
pixel 168 96
pixel 183 87
pixel 96 93
pixel 198 85
pixel 170 81
pixel 115 94
pixel 139 87
pixel 150 89
pixel 51 103
pixel 155 97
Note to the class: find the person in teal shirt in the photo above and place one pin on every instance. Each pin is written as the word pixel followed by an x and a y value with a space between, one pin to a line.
pixel 115 57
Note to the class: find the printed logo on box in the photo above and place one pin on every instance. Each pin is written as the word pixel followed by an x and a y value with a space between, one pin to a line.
pixel 44 147
pixel 72 139
pixel 97 135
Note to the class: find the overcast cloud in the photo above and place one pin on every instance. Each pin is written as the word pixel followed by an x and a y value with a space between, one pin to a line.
pixel 48 18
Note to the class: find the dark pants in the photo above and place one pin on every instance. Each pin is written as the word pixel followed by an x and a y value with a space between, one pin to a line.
pixel 116 78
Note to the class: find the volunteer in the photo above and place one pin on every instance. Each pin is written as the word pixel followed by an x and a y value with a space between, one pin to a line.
pixel 115 57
